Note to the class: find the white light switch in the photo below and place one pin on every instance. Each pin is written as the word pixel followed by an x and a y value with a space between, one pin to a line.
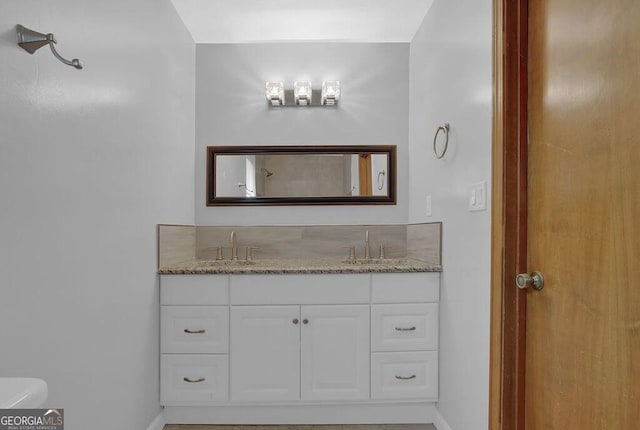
pixel 428 206
pixel 478 196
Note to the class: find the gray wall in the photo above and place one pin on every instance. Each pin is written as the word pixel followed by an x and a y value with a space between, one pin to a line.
pixel 451 82
pixel 231 109
pixel 90 162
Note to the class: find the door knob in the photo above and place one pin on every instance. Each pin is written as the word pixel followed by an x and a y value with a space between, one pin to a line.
pixel 535 280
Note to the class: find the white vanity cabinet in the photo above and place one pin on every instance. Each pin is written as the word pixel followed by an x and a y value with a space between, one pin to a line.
pixel 300 352
pixel 360 341
pixel 300 337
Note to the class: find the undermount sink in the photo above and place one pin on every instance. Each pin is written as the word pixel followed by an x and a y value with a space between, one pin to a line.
pixel 377 261
pixel 22 393
pixel 225 263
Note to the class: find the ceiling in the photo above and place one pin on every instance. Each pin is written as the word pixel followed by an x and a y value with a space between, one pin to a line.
pixel 247 21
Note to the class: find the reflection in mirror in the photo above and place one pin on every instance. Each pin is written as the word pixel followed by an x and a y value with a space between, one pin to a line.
pixel 301 175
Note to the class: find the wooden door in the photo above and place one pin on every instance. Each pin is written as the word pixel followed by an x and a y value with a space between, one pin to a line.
pixel 265 353
pixel 583 329
pixel 566 357
pixel 335 352
pixel 364 172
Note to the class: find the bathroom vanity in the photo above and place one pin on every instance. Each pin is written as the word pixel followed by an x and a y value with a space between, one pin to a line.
pixel 342 343
pixel 302 331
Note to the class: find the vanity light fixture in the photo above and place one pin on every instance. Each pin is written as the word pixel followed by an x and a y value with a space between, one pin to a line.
pixel 330 92
pixel 275 93
pixel 302 94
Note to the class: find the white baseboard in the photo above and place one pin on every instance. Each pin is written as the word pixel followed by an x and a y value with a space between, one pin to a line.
pixel 405 413
pixel 158 423
pixel 440 422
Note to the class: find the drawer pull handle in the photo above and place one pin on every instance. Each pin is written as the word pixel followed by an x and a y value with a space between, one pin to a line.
pixel 404 378
pixel 406 329
pixel 203 331
pixel 193 381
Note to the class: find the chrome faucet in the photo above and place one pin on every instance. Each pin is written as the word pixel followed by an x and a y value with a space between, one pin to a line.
pixel 367 247
pixel 234 245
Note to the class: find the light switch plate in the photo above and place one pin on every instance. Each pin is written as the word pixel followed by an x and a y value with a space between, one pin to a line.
pixel 478 196
pixel 428 211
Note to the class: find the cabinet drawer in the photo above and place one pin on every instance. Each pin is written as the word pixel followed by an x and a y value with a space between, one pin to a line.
pixel 194 289
pixel 405 287
pixel 194 329
pixel 407 327
pixel 209 376
pixel 404 375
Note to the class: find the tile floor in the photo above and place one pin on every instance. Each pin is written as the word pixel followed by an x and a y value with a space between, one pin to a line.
pixel 306 427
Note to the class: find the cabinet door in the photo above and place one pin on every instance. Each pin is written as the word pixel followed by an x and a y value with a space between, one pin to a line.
pixel 335 352
pixel 265 353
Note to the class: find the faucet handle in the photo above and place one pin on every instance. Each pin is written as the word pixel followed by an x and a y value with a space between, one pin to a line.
pixel 352 252
pixel 249 253
pixel 219 255
pixel 382 253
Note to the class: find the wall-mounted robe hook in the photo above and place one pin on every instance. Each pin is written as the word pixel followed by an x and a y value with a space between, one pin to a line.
pixel 31 41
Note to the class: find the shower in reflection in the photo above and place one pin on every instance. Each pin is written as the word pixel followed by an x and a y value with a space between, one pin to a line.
pixel 269 174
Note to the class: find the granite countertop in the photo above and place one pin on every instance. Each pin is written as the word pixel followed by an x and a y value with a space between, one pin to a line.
pixel 301 266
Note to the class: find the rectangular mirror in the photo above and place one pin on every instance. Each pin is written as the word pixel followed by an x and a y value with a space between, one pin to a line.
pixel 301 175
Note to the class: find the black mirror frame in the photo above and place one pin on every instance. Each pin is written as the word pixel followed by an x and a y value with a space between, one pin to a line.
pixel 213 151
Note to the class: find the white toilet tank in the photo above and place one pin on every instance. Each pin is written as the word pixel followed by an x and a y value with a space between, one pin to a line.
pixel 22 393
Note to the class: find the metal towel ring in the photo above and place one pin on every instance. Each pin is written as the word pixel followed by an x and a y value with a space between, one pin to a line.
pixel 382 174
pixel 445 128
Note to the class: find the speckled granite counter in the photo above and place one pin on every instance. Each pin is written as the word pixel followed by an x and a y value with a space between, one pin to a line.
pixel 302 266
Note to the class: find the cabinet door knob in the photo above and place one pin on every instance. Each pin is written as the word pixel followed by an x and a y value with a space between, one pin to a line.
pixel 305 321
pixel 193 381
pixel 203 331
pixel 295 321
